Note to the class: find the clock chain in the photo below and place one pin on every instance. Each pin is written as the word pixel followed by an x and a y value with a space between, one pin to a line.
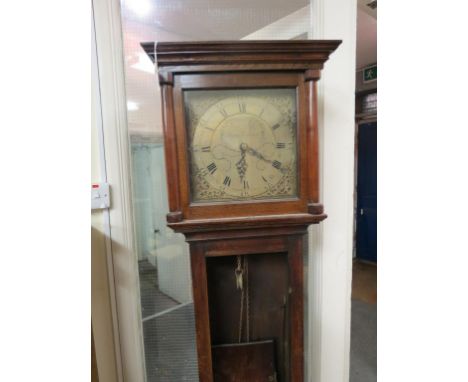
pixel 242 284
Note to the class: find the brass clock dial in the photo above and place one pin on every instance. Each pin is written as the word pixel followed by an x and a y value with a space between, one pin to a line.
pixel 242 144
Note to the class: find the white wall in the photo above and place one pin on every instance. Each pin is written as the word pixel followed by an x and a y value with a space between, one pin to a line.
pixel 331 243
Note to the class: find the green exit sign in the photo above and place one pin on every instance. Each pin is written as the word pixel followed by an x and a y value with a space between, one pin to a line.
pixel 369 74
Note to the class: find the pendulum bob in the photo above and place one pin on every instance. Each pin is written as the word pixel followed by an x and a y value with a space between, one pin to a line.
pixel 252 361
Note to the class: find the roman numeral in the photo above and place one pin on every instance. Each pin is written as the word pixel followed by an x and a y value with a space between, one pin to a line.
pixel 246 185
pixel 274 127
pixel 206 149
pixel 227 181
pixel 211 168
pixel 280 145
pixel 208 128
pixel 276 164
pixel 242 108
pixel 204 125
pixel 223 112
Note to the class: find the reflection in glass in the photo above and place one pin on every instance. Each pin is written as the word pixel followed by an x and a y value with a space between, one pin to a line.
pixel 164 269
pixel 165 283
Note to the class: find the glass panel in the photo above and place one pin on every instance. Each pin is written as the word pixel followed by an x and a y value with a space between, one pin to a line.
pixel 164 269
pixel 242 143
pixel 165 282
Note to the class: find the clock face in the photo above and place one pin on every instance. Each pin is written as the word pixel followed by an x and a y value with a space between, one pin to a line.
pixel 242 144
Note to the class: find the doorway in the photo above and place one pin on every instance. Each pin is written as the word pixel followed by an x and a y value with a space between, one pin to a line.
pixel 363 365
pixel 363 355
pixel 366 193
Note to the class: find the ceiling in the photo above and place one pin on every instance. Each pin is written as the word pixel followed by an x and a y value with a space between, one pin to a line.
pixel 185 20
pixel 207 19
pixel 366 35
pixel 368 6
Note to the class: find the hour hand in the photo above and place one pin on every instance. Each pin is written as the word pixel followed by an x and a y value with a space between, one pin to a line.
pixel 241 165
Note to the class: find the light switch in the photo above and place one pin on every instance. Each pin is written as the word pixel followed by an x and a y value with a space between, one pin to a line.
pixel 100 196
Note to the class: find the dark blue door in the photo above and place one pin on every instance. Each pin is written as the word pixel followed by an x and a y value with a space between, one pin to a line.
pixel 366 219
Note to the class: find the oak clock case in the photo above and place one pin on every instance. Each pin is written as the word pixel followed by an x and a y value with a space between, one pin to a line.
pixel 241 152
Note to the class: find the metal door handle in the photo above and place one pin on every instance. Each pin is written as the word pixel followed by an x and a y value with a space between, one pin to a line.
pixel 362 211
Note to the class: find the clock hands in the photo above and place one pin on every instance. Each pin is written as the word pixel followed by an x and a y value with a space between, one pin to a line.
pixel 242 164
pixel 255 153
pixel 258 155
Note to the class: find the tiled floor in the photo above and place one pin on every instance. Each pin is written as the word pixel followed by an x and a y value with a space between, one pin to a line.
pixel 363 365
pixel 152 299
pixel 170 346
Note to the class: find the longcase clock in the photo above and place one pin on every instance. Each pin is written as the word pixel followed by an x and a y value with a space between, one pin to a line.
pixel 241 152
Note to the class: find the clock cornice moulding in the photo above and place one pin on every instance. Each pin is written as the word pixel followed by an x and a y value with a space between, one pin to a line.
pixel 250 55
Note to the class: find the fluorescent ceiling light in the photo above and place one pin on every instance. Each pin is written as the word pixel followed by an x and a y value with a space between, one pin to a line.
pixel 132 106
pixel 140 7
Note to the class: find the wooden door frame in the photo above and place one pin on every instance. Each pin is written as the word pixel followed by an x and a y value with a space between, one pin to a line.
pixel 123 260
pixel 103 302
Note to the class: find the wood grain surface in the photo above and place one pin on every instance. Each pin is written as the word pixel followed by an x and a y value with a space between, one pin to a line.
pixel 269 232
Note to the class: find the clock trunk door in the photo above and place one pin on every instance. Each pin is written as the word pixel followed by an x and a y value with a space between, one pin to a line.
pixel 251 318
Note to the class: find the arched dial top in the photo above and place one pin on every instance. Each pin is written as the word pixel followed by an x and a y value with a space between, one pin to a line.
pixel 242 144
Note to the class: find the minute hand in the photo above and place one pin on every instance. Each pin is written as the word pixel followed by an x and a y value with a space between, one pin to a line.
pixel 256 154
